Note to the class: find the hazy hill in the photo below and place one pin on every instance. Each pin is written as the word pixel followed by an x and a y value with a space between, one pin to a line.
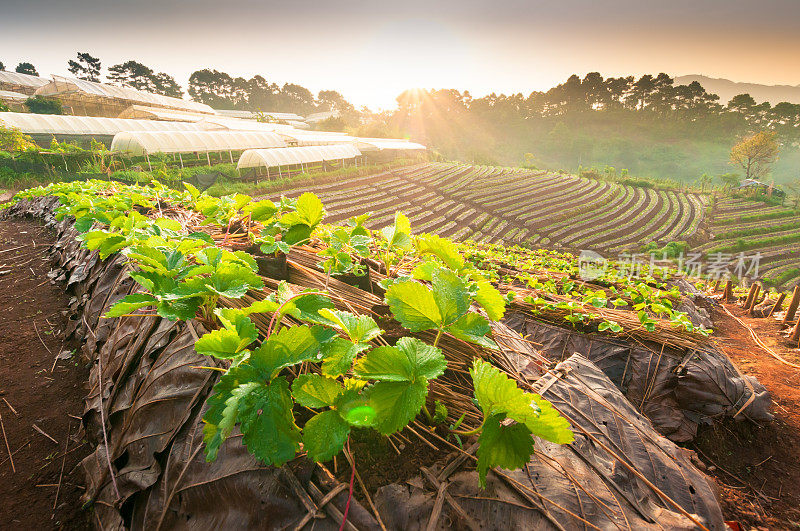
pixel 727 89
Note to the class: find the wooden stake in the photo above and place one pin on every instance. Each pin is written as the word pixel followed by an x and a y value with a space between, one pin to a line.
pixel 727 293
pixel 716 285
pixel 757 289
pixel 751 295
pixel 777 306
pixel 792 309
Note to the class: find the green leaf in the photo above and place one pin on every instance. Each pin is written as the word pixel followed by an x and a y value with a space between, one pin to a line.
pixel 354 408
pixel 414 306
pixel 496 392
pixel 490 300
pixel 130 304
pixel 260 210
pixel 473 328
pixel 398 236
pixel 289 346
pixel 509 447
pixel 442 248
pixel 227 343
pixel 182 309
pixel 338 356
pixel 267 423
pixel 313 390
pixel 309 209
pixel 396 404
pixel 324 436
pixel 451 295
pixel 223 407
pixel 410 361
pixel 359 328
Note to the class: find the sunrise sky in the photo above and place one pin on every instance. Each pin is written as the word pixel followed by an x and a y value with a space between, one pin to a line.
pixel 371 51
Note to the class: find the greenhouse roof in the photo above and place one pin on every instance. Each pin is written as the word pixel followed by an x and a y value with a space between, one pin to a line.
pixel 316 138
pixel 15 79
pixel 251 115
pixel 64 86
pixel 145 142
pixel 85 125
pixel 380 144
pixel 270 158
pixel 159 113
pixel 9 95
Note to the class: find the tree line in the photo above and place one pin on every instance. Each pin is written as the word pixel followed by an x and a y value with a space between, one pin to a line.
pixel 212 87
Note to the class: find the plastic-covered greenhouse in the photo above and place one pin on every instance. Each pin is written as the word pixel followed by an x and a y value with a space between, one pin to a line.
pixel 99 99
pixel 24 83
pixel 148 142
pixel 381 144
pixel 272 158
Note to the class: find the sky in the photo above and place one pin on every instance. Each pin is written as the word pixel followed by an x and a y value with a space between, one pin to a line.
pixel 370 51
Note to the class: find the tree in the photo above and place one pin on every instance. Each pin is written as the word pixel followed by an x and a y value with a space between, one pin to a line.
pixel 704 181
pixel 27 68
pixel 136 75
pixel 2 66
pixel 730 179
pixel 86 67
pixel 755 153
pixel 794 186
pixel 41 105
pixel 213 88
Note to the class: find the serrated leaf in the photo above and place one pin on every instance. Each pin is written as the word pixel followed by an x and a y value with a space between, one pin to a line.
pixel 359 328
pixel 473 328
pixel 220 417
pixel 410 360
pixel 260 210
pixel 509 447
pixel 182 309
pixel 130 304
pixel 353 406
pixel 227 343
pixel 324 436
pixel 451 295
pixel 398 236
pixel 414 306
pixel 313 390
pixel 442 248
pixel 289 346
pixel 309 209
pixel 490 300
pixel 396 404
pixel 338 356
pixel 267 423
pixel 549 424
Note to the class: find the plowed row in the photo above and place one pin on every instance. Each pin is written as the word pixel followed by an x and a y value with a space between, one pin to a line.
pixel 514 206
pixel 779 264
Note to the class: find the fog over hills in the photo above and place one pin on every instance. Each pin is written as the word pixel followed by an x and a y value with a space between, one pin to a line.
pixel 727 89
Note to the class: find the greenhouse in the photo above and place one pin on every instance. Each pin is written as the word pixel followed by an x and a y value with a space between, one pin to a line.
pixel 99 99
pixel 24 83
pixel 255 115
pixel 14 100
pixel 144 112
pixel 295 156
pixel 381 144
pixel 43 127
pixel 147 143
pixel 316 138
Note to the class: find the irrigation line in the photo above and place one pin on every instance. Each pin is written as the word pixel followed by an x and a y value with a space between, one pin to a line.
pixel 757 341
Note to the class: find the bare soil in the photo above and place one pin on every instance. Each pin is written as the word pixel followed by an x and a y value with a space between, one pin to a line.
pixel 758 467
pixel 42 490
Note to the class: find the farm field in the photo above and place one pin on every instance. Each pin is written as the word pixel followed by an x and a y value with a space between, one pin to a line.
pixel 515 206
pixel 750 227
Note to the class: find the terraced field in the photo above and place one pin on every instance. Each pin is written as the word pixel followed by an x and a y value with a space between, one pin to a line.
pixel 750 227
pixel 514 206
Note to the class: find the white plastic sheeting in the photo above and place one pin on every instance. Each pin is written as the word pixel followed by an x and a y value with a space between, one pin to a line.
pixel 85 125
pixel 144 112
pixel 145 143
pixel 17 81
pixel 270 158
pixel 316 138
pixel 12 96
pixel 251 115
pixel 65 86
pixel 212 123
pixel 380 144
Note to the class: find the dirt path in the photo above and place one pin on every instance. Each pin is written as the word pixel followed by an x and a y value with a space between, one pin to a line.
pixel 758 467
pixel 42 395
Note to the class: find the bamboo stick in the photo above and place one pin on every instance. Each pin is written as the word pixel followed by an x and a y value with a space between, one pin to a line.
pixel 792 309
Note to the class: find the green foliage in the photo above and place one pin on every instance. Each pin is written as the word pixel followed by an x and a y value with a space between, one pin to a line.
pixel 42 105
pixel 510 445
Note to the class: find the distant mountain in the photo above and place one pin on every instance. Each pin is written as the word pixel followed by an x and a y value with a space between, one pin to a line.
pixel 727 89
